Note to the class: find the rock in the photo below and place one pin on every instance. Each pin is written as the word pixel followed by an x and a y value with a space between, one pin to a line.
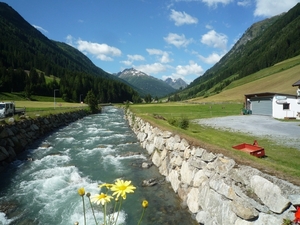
pixel 208 156
pixel 173 178
pixel 192 200
pixel 156 158
pixel 267 219
pixel 159 142
pixel 269 193
pixel 199 178
pixel 295 199
pixel 150 147
pixel 146 165
pixel 198 152
pixel 218 184
pixel 186 173
pixel 243 209
pixel 149 183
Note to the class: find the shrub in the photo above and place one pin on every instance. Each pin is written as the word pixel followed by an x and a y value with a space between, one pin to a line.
pixel 183 123
pixel 173 122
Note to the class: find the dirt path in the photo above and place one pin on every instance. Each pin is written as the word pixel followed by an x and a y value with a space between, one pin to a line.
pixel 282 132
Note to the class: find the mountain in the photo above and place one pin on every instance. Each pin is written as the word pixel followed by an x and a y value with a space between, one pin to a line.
pixel 24 47
pixel 148 84
pixel 262 45
pixel 19 39
pixel 176 83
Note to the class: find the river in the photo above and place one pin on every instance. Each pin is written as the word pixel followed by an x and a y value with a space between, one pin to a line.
pixel 96 149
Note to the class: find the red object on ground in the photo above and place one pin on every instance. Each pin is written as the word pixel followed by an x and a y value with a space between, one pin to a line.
pixel 253 149
pixel 297 215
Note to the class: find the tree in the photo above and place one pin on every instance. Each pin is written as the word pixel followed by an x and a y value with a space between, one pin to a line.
pixel 91 100
pixel 148 98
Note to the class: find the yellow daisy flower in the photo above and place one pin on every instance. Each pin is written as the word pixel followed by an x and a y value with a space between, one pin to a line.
pixel 121 187
pixel 102 198
pixel 81 191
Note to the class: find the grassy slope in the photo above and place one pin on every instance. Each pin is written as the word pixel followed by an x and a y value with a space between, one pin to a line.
pixel 278 78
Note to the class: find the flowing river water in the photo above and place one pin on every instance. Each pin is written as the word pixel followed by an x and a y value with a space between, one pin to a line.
pixel 96 149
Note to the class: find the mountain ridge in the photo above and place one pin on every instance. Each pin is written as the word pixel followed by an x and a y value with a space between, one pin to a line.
pixel 148 84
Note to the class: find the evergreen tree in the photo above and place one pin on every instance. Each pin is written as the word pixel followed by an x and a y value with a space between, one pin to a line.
pixel 91 100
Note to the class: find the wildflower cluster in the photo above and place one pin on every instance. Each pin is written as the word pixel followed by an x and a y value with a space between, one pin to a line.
pixel 119 191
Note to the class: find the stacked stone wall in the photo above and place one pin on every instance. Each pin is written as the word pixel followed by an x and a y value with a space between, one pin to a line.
pixel 17 136
pixel 215 188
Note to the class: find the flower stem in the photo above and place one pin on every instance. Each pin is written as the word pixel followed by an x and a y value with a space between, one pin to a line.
pixel 93 211
pixel 83 210
pixel 141 216
pixel 104 214
pixel 118 210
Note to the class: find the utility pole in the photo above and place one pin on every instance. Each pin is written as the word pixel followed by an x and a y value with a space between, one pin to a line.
pixel 54 96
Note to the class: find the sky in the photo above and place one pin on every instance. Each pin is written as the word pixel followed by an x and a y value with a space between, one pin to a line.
pixel 162 38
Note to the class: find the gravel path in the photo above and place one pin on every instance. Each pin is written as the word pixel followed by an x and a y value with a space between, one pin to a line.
pixel 282 132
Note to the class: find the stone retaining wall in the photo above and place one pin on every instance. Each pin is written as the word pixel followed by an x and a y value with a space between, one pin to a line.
pixel 16 137
pixel 214 187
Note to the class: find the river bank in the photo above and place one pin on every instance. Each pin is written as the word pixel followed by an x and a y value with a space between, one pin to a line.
pixel 215 188
pixel 16 136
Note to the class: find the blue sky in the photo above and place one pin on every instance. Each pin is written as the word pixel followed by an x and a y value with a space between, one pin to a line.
pixel 163 38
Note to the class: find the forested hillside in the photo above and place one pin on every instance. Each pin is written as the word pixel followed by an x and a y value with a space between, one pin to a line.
pixel 263 45
pixel 24 48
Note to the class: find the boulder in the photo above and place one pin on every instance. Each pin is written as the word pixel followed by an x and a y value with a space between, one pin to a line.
pixel 269 193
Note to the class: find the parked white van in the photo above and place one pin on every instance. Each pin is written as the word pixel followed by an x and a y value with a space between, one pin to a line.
pixel 7 109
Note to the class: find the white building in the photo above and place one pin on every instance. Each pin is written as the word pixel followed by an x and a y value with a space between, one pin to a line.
pixel 277 105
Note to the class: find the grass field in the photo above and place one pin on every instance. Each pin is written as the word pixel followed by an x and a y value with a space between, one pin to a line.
pixel 40 106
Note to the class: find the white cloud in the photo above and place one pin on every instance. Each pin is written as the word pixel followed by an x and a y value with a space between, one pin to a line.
pixel 69 40
pixel 212 58
pixel 177 40
pixel 164 56
pixel 135 57
pixel 244 3
pixel 40 28
pixel 214 3
pixel 151 68
pixel 214 39
pixel 269 8
pixel 126 62
pixel 132 58
pixel 182 18
pixel 191 69
pixel 208 26
pixel 103 52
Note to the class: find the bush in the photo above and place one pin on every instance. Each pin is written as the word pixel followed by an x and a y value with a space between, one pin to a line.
pixel 183 123
pixel 173 122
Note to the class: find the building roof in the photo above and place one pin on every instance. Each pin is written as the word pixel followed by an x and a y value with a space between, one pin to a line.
pixel 296 84
pixel 263 94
